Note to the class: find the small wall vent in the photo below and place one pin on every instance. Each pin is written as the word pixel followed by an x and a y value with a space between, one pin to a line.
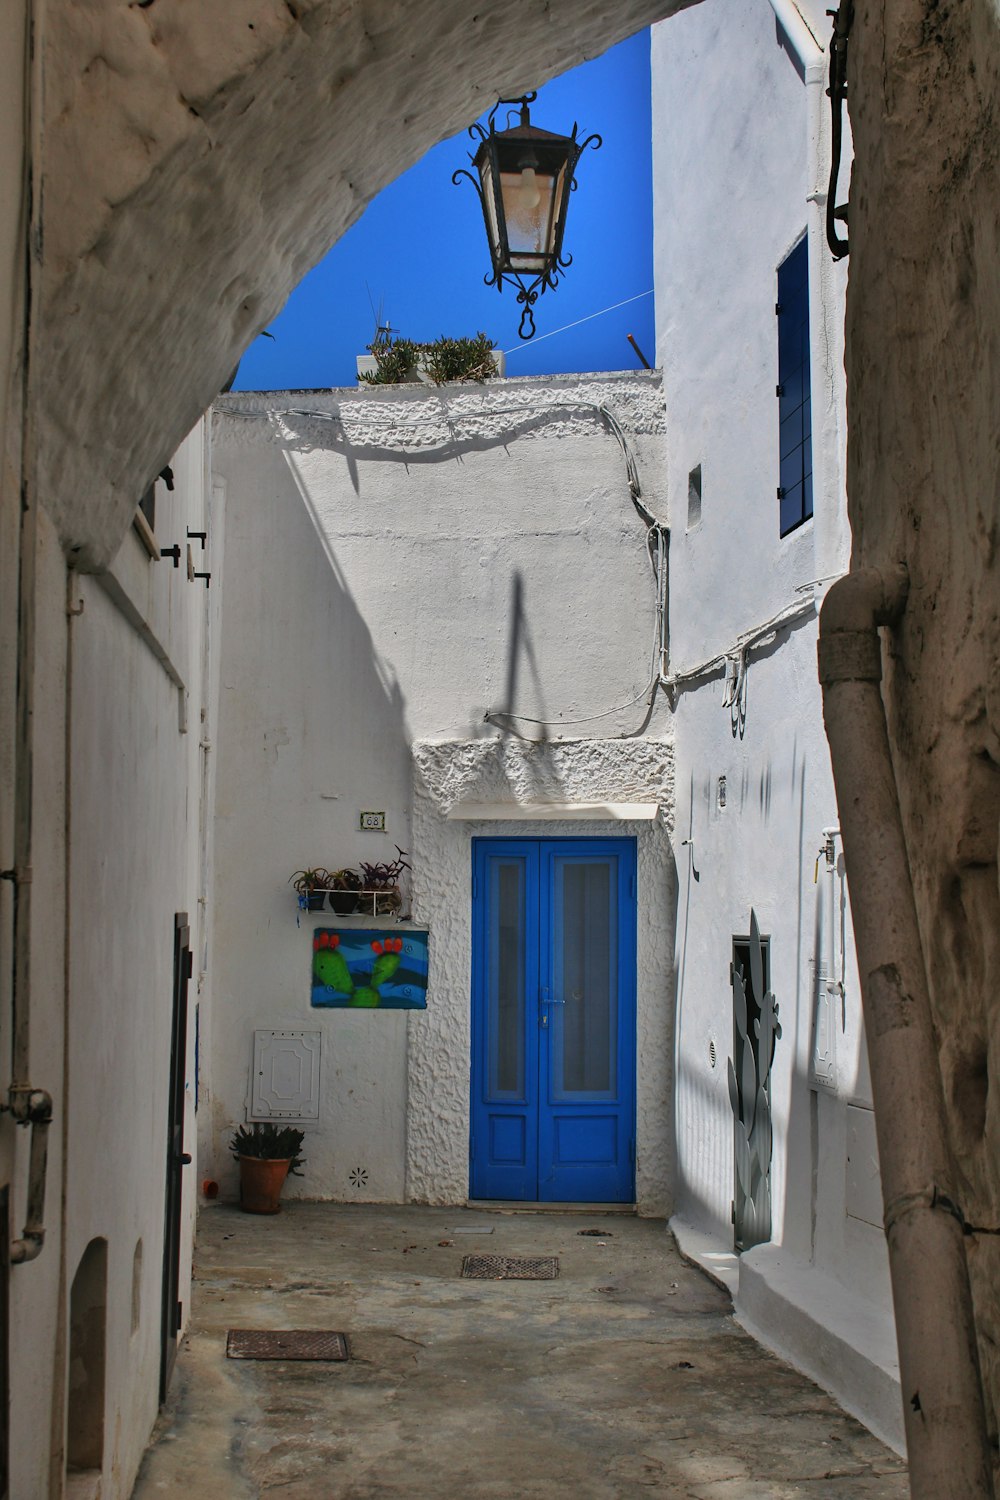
pixel 694 498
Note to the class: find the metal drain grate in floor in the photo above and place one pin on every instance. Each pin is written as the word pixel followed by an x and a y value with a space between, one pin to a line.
pixel 511 1267
pixel 286 1343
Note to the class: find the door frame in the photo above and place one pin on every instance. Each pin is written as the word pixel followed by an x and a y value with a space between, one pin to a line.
pixel 538 893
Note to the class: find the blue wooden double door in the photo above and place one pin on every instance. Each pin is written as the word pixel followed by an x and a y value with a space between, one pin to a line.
pixel 553 1020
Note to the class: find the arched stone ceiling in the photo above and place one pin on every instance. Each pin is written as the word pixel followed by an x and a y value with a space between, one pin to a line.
pixel 198 159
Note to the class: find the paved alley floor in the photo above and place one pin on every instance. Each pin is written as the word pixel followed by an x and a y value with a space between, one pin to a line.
pixel 624 1376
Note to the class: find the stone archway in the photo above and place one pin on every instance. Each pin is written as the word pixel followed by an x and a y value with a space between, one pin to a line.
pixel 193 169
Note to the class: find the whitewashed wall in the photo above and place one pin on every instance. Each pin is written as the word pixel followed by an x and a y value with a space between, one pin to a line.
pixel 139 722
pixel 399 563
pixel 735 188
pixel 120 718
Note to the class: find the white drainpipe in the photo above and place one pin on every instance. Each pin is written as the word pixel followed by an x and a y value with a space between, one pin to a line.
pixel 947 1446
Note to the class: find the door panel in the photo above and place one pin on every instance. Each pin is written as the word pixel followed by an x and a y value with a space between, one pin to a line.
pixel 177 1158
pixel 505 1035
pixel 553 1020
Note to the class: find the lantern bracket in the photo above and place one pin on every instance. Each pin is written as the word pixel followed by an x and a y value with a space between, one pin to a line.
pixel 843 20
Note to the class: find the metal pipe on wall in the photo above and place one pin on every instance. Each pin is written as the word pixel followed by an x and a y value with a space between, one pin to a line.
pixel 29 1106
pixel 943 1409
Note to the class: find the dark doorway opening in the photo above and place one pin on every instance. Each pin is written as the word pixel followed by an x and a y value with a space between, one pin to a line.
pixel 177 1158
pixel 752 1102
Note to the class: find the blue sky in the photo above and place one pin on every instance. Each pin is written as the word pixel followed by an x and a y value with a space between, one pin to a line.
pixel 420 248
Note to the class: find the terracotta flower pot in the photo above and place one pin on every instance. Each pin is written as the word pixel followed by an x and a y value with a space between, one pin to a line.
pixel 261 1182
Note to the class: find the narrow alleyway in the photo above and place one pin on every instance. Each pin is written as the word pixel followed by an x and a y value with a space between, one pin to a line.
pixel 626 1373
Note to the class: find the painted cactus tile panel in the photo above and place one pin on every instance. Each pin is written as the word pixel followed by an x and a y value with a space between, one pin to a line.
pixel 369 970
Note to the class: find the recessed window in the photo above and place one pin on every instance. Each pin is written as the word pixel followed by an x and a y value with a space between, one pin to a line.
pixel 143 522
pixel 795 496
pixel 694 498
pixel 147 507
pixel 85 1396
pixel 144 519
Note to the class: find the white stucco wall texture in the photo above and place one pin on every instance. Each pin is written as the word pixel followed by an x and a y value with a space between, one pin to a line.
pixel 120 721
pixel 428 557
pixel 138 732
pixel 754 786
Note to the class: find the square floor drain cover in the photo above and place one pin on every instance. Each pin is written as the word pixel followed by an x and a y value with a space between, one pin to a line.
pixel 286 1343
pixel 511 1267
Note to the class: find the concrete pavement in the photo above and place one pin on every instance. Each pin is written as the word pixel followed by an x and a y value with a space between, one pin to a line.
pixel 626 1375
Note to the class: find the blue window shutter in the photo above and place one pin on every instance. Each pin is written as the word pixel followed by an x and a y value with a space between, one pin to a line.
pixel 794 405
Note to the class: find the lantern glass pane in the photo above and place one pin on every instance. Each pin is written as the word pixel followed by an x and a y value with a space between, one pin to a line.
pixel 530 199
pixel 490 209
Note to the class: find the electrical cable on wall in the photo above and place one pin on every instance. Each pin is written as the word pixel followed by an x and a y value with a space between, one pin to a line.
pixel 744 644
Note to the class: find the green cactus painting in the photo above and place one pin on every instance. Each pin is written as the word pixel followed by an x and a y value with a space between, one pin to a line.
pixel 369 970
pixel 756 1030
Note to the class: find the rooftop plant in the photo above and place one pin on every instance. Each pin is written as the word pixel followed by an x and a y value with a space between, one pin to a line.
pixel 443 360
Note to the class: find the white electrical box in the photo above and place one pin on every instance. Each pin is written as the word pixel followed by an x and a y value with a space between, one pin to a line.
pixel 285 1076
pixel 864 1177
pixel 826 1020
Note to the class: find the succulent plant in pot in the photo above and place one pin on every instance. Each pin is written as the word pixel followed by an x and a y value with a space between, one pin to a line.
pixel 380 893
pixel 344 887
pixel 267 1154
pixel 311 887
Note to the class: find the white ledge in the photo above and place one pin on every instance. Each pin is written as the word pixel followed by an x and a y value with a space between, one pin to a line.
pixel 626 812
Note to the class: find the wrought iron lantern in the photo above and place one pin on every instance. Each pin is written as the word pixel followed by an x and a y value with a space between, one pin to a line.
pixel 524 176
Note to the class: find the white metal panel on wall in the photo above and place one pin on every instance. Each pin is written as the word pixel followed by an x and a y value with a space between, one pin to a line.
pixel 285 1075
pixel 864 1179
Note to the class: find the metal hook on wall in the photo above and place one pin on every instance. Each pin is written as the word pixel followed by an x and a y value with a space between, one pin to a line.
pixel 843 20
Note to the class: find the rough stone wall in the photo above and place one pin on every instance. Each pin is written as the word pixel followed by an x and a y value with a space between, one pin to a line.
pixel 924 466
pixel 198 160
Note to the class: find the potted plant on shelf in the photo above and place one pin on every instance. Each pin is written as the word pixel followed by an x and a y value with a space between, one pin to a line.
pixel 266 1154
pixel 344 887
pixel 380 893
pixel 311 887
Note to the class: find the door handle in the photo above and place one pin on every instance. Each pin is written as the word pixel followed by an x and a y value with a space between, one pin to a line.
pixel 183 1158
